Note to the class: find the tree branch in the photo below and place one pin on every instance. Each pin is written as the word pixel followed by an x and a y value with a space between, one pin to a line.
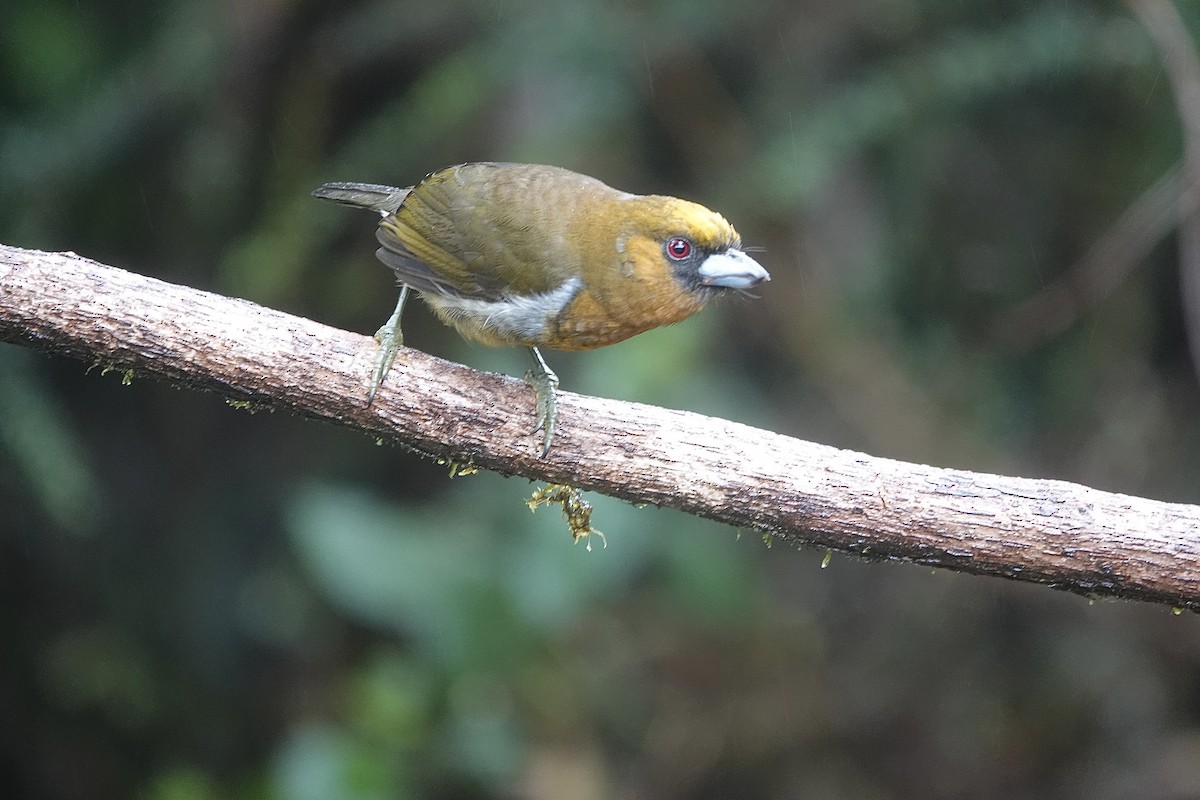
pixel 1090 280
pixel 1051 532
pixel 1181 65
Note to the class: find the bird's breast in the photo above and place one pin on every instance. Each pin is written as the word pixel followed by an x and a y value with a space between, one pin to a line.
pixel 515 319
pixel 570 317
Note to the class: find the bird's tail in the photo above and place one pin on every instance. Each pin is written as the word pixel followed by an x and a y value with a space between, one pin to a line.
pixel 384 199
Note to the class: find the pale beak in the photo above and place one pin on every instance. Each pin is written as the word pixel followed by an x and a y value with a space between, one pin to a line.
pixel 732 269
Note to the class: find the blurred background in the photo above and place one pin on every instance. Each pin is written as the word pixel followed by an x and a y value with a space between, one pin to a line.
pixel 969 210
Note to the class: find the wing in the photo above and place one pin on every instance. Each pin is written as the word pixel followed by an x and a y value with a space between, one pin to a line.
pixel 487 230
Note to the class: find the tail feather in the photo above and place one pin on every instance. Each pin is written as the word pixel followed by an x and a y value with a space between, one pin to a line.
pixel 384 199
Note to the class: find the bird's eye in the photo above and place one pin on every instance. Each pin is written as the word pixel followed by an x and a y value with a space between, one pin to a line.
pixel 679 248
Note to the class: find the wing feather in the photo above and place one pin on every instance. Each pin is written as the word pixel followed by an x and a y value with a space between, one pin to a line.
pixel 480 231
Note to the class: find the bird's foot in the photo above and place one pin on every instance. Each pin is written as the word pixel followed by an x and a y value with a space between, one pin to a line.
pixel 543 382
pixel 390 339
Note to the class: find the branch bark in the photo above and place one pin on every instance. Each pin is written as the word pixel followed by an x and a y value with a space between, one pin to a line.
pixel 1060 534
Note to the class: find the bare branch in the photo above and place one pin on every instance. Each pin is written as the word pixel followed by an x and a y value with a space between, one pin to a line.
pixel 1057 306
pixel 1182 67
pixel 1065 535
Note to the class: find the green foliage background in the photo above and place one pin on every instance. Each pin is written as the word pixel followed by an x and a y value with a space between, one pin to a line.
pixel 203 603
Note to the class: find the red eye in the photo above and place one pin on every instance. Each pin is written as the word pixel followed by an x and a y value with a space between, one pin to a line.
pixel 679 249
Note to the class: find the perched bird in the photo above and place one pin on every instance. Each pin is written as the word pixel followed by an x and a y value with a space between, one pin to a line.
pixel 539 256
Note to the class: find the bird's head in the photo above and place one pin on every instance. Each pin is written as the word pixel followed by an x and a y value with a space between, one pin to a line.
pixel 671 257
pixel 699 247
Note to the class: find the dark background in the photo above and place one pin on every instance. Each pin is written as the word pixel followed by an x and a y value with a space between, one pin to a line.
pixel 198 602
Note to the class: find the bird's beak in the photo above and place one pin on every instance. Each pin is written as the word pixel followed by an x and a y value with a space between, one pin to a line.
pixel 732 269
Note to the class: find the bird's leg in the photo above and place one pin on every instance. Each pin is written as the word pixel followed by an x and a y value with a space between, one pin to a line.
pixel 390 338
pixel 544 382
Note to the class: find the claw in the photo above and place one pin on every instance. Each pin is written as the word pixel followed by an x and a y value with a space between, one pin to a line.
pixel 390 339
pixel 543 381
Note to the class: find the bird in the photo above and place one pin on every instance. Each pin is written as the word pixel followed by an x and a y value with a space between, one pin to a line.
pixel 540 256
